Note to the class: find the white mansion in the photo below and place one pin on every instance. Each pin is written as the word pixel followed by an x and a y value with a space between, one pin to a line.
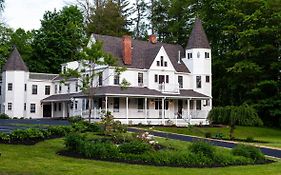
pixel 168 84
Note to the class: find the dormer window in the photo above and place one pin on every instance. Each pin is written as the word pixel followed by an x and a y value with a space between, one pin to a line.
pixel 63 69
pixel 189 55
pixel 207 55
pixel 116 79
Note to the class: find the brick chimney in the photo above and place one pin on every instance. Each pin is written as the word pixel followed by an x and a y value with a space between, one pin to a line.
pixel 127 50
pixel 153 39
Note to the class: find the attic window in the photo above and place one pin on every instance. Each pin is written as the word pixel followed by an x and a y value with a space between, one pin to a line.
pixel 165 64
pixel 158 63
pixel 162 61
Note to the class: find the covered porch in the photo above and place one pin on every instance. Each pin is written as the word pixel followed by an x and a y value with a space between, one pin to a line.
pixel 186 108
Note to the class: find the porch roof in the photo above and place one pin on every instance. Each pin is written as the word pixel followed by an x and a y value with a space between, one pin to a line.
pixel 139 92
pixel 58 97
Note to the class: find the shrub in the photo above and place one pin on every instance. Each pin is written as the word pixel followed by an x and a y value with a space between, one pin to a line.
pixel 74 119
pixel 249 152
pixel 109 126
pixel 119 138
pixel 4 116
pixel 208 135
pixel 59 130
pixel 204 148
pixel 21 135
pixel 219 135
pixel 135 147
pixel 4 137
pixel 73 142
pixel 250 139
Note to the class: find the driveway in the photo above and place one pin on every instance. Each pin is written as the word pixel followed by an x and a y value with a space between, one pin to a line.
pixel 267 151
pixel 8 125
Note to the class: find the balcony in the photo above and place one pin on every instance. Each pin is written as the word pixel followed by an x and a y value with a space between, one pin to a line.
pixel 169 88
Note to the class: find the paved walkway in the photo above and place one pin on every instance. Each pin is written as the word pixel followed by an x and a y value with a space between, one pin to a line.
pixel 267 151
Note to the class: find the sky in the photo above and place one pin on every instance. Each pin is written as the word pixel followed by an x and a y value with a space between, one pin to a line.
pixel 26 14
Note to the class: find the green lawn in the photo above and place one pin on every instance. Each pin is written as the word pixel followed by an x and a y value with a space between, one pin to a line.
pixel 42 159
pixel 273 136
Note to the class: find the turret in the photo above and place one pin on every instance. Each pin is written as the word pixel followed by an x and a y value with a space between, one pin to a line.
pixel 198 59
pixel 14 78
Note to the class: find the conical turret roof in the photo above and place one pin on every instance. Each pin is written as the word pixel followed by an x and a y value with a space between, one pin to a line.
pixel 15 62
pixel 198 37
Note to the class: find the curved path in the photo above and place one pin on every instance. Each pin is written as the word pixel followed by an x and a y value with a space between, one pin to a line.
pixel 267 151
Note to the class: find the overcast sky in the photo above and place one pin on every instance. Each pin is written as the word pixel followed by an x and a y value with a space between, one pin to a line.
pixel 27 13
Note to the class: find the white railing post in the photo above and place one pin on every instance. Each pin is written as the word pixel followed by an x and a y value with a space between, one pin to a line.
pixel 127 110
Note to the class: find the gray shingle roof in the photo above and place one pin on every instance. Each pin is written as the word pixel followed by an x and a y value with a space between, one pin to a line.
pixel 198 37
pixel 143 52
pixel 58 97
pixel 15 62
pixel 139 91
pixel 42 76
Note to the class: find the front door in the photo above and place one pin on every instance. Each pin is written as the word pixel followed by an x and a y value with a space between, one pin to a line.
pixel 161 79
pixel 180 106
pixel 47 110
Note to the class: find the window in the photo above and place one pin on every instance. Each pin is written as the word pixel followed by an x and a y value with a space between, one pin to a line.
pixel 207 102
pixel 115 104
pixel 100 79
pixel 56 89
pixel 59 106
pixel 47 90
pixel 32 108
pixel 25 87
pixel 198 82
pixel 76 105
pixel 34 89
pixel 10 106
pixel 76 86
pixel 55 106
pixel 140 79
pixel 59 88
pixel 207 55
pixel 167 78
pixel 155 78
pixel 189 55
pixel 162 61
pixel 116 79
pixel 198 104
pixel 161 79
pixel 158 104
pixel 10 86
pixel 67 87
pixel 0 91
pixel 158 63
pixel 180 81
pixel 140 104
pixel 165 64
pixel 191 104
pixel 207 79
pixel 24 106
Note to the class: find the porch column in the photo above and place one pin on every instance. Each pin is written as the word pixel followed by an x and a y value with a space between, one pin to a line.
pixel 105 104
pixel 127 110
pixel 145 109
pixel 163 110
pixel 52 109
pixel 188 110
pixel 63 109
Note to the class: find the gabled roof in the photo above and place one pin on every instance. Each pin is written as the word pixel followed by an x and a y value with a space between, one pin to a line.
pixel 143 52
pixel 198 37
pixel 15 62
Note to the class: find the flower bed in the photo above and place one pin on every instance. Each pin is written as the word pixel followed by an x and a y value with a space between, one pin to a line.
pixel 138 150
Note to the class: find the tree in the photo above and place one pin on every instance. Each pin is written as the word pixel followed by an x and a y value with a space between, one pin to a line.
pixel 59 40
pixel 92 58
pixel 110 19
pixel 5 43
pixel 234 115
pixel 141 26
pixel 1 5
